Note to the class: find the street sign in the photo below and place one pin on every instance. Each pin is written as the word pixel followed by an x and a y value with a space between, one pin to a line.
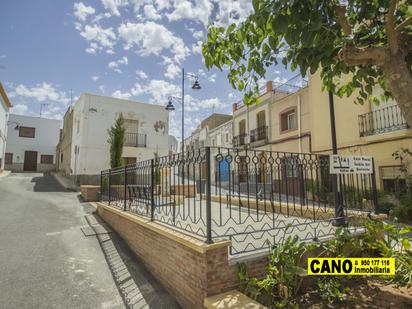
pixel 350 164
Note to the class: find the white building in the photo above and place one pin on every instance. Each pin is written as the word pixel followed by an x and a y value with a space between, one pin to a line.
pixel 31 143
pixel 87 151
pixel 221 136
pixel 5 105
pixel 173 145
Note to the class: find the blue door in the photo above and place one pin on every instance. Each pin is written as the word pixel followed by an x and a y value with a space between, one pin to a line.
pixel 224 170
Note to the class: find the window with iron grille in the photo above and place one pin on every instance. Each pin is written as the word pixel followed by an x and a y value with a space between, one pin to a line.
pixel 27 132
pixel 46 159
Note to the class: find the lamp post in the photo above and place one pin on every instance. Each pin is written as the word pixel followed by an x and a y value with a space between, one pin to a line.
pixel 170 106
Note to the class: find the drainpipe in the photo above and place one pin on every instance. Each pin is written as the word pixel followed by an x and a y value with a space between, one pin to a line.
pixel 299 124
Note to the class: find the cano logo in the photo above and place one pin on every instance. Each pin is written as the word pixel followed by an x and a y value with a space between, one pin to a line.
pixel 351 266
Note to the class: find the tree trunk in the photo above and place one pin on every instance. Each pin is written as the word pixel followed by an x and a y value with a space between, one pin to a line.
pixel 399 82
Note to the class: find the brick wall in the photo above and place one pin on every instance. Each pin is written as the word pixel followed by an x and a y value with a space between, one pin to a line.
pixel 187 267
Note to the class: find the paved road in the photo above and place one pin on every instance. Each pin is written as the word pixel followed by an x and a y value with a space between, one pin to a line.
pixel 47 262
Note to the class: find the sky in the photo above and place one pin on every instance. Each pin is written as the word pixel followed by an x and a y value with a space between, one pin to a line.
pixel 54 50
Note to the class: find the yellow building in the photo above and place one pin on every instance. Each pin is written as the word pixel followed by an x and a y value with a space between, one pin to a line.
pixel 294 117
pixel 367 130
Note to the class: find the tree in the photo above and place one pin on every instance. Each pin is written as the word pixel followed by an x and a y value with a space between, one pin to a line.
pixel 370 41
pixel 116 141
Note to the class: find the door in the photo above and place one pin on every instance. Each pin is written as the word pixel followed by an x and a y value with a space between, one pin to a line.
pixel 30 161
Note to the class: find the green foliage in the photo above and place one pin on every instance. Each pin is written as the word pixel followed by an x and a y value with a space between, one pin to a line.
pixel 403 155
pixel 156 169
pixel 116 141
pixel 283 277
pixel 391 241
pixel 305 35
pixel 332 290
pixel 397 205
pixel 105 183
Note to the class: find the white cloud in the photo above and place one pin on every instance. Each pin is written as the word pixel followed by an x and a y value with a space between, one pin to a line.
pixel 159 90
pixel 197 48
pixel 98 37
pixel 19 109
pixel 198 34
pixel 137 89
pixel 41 92
pixel 172 71
pixel 232 11
pixel 199 12
pixel 81 11
pixel 114 65
pixel 102 89
pixel 150 12
pixel 121 95
pixel 95 77
pixel 151 38
pixel 141 74
pixel 113 6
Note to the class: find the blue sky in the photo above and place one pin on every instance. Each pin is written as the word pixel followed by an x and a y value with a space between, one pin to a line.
pixel 132 49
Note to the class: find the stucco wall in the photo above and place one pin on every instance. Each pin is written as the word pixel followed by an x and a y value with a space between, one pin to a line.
pixel 92 117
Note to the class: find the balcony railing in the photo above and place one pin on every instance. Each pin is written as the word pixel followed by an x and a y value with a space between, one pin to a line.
pixel 259 134
pixel 239 140
pixel 381 121
pixel 135 140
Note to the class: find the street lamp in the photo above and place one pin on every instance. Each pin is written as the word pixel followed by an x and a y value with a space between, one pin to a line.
pixel 170 107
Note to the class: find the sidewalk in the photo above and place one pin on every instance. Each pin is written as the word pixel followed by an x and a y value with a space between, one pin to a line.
pixel 4 173
pixel 65 182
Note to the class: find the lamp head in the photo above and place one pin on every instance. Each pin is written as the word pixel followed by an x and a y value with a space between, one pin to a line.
pixel 196 85
pixel 169 107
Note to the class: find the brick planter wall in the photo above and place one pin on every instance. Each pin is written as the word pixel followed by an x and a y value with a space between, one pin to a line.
pixel 187 267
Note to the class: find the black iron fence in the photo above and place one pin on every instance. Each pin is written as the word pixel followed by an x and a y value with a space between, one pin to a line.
pixel 382 120
pixel 239 140
pixel 135 140
pixel 252 197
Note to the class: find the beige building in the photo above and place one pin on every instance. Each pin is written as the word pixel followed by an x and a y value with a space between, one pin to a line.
pixel 294 117
pixel 367 130
pixel 64 147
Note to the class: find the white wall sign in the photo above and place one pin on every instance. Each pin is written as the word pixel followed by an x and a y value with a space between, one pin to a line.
pixel 350 164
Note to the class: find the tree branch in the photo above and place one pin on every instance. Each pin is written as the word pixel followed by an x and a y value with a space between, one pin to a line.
pixel 405 23
pixel 390 27
pixel 354 56
pixel 340 10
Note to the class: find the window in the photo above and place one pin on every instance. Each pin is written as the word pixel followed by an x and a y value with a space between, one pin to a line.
pixel 61 158
pixel 227 137
pixel 27 132
pixel 393 180
pixel 46 159
pixel 8 158
pixel 288 120
pixel 261 119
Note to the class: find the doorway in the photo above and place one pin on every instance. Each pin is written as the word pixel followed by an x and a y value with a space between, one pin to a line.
pixel 30 161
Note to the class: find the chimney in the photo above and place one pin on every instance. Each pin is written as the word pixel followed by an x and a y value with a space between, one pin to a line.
pixel 269 86
pixel 234 107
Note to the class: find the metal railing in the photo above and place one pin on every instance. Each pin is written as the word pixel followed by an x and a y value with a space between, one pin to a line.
pixel 239 140
pixel 381 121
pixel 259 134
pixel 135 140
pixel 254 198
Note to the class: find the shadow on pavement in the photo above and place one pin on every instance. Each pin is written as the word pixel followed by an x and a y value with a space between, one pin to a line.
pixel 137 287
pixel 46 183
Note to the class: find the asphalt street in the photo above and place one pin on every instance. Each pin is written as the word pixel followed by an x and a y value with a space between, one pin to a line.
pixel 46 261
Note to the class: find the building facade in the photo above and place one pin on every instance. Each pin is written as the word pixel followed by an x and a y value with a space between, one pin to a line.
pixel 31 144
pixel 85 132
pixel 367 130
pixel 5 106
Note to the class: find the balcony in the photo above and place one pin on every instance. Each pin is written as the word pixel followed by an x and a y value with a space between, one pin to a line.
pixel 384 120
pixel 259 134
pixel 239 140
pixel 135 140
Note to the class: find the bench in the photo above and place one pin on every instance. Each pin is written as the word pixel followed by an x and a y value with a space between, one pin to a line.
pixel 142 194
